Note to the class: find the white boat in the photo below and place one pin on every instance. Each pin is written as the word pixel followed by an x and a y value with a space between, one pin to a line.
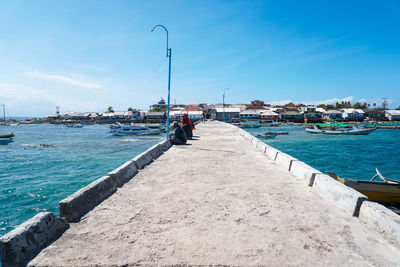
pixel 123 130
pixel 340 131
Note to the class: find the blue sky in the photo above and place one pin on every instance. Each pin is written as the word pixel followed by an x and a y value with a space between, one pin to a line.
pixel 87 55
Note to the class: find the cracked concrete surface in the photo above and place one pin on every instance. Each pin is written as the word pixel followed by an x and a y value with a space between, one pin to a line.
pixel 217 201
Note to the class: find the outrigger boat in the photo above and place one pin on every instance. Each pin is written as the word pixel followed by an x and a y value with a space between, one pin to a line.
pixel 386 191
pixel 339 131
pixel 249 124
pixel 6 138
pixel 7 135
pixel 267 136
pixel 124 130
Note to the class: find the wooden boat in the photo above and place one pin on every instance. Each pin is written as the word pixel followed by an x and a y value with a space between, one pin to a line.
pixel 5 141
pixel 277 132
pixel 386 191
pixel 339 131
pixel 7 135
pixel 249 124
pixel 267 136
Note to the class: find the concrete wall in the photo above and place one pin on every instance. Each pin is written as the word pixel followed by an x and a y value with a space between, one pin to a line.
pixel 376 216
pixel 304 172
pixel 24 242
pixel 339 194
pixel 76 205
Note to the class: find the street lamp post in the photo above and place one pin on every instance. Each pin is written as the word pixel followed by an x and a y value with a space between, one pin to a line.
pixel 169 54
pixel 223 104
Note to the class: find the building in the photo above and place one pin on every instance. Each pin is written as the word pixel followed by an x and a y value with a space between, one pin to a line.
pixel 352 114
pixel 157 116
pixel 332 115
pixel 309 111
pixel 230 113
pixel 269 115
pixel 160 104
pixel 292 115
pixel 392 115
pixel 249 114
pixel 320 112
pixel 194 114
pixel 375 115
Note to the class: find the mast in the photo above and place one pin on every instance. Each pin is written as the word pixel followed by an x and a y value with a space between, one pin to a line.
pixel 4 113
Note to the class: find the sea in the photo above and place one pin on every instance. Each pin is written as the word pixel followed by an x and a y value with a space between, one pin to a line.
pixel 349 156
pixel 47 163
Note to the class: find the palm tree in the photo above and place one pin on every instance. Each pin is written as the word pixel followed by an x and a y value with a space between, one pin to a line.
pixel 110 109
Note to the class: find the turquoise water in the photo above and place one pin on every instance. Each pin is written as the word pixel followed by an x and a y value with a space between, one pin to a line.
pixel 351 157
pixel 35 178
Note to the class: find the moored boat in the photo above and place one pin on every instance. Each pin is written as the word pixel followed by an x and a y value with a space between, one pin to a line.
pixel 267 136
pixel 7 135
pixel 124 130
pixel 386 191
pixel 339 131
pixel 249 124
pixel 5 141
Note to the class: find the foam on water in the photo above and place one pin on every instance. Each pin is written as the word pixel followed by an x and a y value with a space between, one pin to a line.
pixel 46 163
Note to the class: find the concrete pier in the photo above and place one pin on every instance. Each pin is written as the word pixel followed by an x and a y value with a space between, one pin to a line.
pixel 218 201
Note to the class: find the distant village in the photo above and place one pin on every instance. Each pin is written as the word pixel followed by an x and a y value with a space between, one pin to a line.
pixel 255 110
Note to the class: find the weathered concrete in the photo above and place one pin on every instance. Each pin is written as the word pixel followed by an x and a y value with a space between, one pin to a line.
pixel 382 220
pixel 304 171
pixel 165 145
pixel 285 161
pixel 343 196
pixel 217 201
pixel 271 153
pixel 124 173
pixel 143 159
pixel 76 205
pixel 24 242
pixel 155 151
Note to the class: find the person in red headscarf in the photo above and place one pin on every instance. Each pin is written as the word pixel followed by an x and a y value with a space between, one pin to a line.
pixel 186 119
pixel 187 126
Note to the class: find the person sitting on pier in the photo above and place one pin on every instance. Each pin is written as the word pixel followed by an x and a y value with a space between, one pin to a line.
pixel 186 118
pixel 179 136
pixel 186 126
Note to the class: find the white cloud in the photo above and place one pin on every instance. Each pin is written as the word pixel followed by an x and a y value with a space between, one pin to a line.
pixel 314 102
pixel 64 79
pixel 22 100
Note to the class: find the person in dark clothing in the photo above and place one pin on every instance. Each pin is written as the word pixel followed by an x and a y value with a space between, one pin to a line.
pixel 187 128
pixel 179 136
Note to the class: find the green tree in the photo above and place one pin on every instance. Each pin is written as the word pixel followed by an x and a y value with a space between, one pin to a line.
pixel 156 109
pixel 130 109
pixel 110 109
pixel 290 104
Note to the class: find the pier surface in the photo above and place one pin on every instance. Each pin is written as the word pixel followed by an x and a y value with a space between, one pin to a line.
pixel 217 201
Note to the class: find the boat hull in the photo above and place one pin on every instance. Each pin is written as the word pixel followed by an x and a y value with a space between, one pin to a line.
pixel 341 132
pixel 7 135
pixel 375 191
pixel 5 141
pixel 379 192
